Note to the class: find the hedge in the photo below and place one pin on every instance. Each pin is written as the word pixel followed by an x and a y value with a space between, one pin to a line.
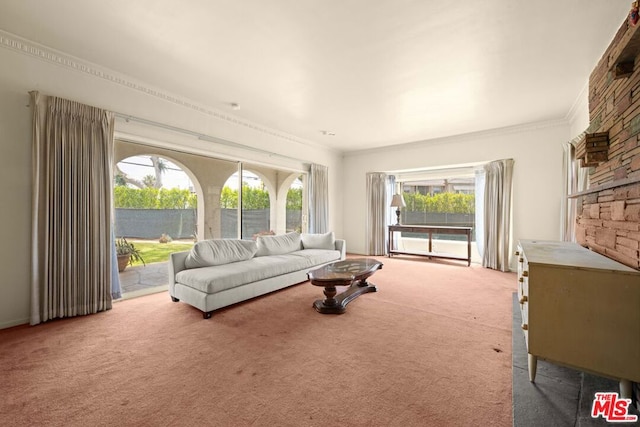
pixel 441 203
pixel 257 198
pixel 153 198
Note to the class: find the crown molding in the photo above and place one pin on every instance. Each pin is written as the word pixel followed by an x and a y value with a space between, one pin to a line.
pixel 29 48
pixel 580 104
pixel 471 136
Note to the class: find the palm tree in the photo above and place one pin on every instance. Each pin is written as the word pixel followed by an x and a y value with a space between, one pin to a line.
pixel 149 181
pixel 159 167
pixel 155 180
pixel 122 178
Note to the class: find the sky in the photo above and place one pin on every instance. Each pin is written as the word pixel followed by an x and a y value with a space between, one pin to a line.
pixel 139 166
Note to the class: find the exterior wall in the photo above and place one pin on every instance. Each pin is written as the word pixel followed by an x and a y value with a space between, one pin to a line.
pixel 153 223
pixel 609 218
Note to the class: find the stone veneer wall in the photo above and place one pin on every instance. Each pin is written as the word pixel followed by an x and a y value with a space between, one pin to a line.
pixel 609 217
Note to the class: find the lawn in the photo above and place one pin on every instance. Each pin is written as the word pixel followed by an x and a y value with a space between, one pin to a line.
pixel 153 251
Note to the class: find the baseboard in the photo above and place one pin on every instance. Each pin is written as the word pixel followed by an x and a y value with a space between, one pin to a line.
pixel 12 323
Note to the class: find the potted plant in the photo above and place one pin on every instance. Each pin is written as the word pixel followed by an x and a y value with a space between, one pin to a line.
pixel 127 254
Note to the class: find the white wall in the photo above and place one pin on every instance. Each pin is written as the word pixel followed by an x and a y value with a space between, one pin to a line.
pixel 537 150
pixel 27 66
pixel 537 177
pixel 579 114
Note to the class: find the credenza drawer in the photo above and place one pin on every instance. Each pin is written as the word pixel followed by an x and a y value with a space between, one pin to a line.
pixel 523 292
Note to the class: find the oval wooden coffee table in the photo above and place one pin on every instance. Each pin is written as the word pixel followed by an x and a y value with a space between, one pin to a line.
pixel 351 272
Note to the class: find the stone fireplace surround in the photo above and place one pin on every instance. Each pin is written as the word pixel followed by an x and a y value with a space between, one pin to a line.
pixel 608 216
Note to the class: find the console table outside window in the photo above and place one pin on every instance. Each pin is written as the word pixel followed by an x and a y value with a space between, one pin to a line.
pixel 430 230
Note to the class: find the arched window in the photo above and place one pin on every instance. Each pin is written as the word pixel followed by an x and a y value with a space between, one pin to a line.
pixel 256 209
pixel 154 200
pixel 155 213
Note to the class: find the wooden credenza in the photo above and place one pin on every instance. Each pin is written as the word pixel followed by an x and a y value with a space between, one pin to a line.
pixel 430 230
pixel 579 309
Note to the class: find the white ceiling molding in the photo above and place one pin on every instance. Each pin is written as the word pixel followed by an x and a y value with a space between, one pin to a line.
pixel 296 72
pixel 465 137
pixel 33 49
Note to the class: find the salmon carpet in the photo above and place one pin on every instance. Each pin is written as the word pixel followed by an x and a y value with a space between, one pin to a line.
pixel 431 348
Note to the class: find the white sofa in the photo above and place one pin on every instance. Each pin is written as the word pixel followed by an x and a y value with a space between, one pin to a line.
pixel 220 272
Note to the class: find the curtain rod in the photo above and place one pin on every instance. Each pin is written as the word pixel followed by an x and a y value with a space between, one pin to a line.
pixel 202 136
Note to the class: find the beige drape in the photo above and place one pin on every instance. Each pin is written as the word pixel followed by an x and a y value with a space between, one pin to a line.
pixel 377 202
pixel 318 199
pixel 71 222
pixel 575 180
pixel 497 214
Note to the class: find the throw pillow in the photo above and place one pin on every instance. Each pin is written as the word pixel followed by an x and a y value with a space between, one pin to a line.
pixel 278 245
pixel 318 241
pixel 220 251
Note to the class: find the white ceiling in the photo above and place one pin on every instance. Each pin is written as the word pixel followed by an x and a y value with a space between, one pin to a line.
pixel 374 72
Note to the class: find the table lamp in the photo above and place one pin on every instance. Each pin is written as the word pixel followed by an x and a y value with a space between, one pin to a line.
pixel 398 202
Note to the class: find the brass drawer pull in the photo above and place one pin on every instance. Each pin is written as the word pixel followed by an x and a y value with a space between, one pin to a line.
pixel 525 327
pixel 523 299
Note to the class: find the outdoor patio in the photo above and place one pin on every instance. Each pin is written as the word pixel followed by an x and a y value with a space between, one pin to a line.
pixel 142 280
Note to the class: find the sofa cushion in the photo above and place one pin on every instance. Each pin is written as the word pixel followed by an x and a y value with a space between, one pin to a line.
pixel 222 277
pixel 316 257
pixel 318 241
pixel 220 251
pixel 278 245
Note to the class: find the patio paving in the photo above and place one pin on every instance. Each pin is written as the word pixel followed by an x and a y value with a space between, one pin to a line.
pixel 141 280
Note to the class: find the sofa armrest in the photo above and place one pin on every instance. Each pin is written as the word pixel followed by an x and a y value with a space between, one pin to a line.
pixel 341 245
pixel 176 265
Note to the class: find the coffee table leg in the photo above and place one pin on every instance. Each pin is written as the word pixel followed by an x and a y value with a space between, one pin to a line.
pixel 329 305
pixel 354 291
pixel 363 283
pixel 338 305
pixel 330 293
